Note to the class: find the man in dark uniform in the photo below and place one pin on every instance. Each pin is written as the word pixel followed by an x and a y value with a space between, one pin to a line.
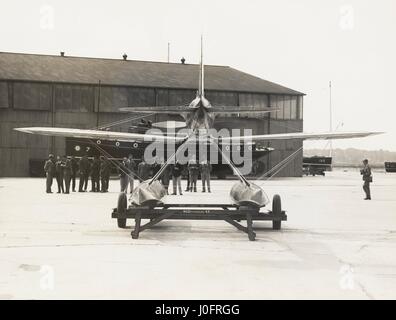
pixel 74 167
pixel 143 171
pixel 185 172
pixel 83 168
pixel 367 178
pixel 131 165
pixel 49 168
pixel 205 168
pixel 193 170
pixel 165 177
pixel 59 165
pixel 104 173
pixel 176 178
pixel 123 173
pixel 95 174
pixel 67 173
pixel 156 167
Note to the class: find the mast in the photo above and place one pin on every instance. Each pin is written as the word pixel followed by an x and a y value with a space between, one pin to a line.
pixel 331 119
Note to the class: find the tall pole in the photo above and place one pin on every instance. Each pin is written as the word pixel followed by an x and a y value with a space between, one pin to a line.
pixel 331 119
pixel 98 109
pixel 168 51
pixel 202 69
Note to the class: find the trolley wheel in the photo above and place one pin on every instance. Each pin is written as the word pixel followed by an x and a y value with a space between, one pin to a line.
pixel 121 209
pixel 277 211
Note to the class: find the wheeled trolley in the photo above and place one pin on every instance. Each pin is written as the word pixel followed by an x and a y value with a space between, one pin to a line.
pixel 230 213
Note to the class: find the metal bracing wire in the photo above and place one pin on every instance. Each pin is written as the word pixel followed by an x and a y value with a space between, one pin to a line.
pixel 112 124
pixel 115 163
pixel 280 166
pixel 232 165
pixel 171 158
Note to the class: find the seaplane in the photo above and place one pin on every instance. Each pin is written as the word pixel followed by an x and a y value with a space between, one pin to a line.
pixel 199 116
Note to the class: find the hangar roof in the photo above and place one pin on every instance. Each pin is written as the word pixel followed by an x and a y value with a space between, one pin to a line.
pixel 47 68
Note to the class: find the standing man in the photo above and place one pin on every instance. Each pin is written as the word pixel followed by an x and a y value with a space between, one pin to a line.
pixel 176 178
pixel 143 171
pixel 95 174
pixel 156 166
pixel 83 168
pixel 49 168
pixel 123 173
pixel 68 172
pixel 59 174
pixel 165 178
pixel 367 178
pixel 193 169
pixel 74 167
pixel 104 173
pixel 206 168
pixel 131 165
pixel 186 172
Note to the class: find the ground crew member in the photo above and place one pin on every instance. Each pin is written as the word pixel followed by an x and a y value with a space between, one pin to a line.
pixel 185 171
pixel 74 167
pixel 83 169
pixel 193 171
pixel 123 173
pixel 49 168
pixel 176 178
pixel 143 171
pixel 104 173
pixel 156 167
pixel 205 168
pixel 95 174
pixel 367 178
pixel 59 174
pixel 67 173
pixel 131 165
pixel 165 178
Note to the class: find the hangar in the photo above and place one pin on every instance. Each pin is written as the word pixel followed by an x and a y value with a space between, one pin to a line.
pixel 79 92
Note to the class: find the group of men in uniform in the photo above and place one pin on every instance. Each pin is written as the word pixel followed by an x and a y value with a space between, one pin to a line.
pixel 143 171
pixel 66 169
pixel 192 170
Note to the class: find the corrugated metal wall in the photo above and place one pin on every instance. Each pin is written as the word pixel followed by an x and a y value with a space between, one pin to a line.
pixel 24 104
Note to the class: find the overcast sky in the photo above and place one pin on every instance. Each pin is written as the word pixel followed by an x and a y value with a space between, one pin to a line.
pixel 300 44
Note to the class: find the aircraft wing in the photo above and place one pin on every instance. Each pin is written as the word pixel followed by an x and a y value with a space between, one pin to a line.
pixel 301 135
pixel 241 109
pixel 158 109
pixel 98 134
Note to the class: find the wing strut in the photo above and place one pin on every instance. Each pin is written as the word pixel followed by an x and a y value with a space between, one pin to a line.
pixel 232 165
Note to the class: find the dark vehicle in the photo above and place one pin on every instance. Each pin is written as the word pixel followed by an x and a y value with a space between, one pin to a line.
pixel 316 165
pixel 390 166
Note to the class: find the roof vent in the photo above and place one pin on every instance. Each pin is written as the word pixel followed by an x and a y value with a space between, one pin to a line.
pixel 125 56
pixel 62 53
pixel 183 61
